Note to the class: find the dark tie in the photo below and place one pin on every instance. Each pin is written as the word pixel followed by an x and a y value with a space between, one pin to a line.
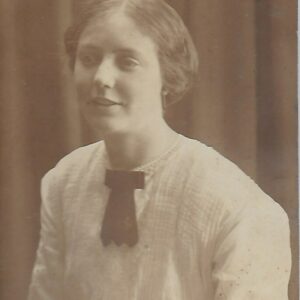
pixel 119 222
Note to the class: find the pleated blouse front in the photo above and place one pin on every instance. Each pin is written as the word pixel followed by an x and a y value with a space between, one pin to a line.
pixel 206 231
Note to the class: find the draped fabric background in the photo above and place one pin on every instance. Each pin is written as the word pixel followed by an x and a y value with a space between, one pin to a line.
pixel 244 105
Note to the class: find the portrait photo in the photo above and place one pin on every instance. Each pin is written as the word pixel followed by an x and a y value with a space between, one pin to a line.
pixel 149 150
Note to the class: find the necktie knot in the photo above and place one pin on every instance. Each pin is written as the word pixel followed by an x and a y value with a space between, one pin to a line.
pixel 119 222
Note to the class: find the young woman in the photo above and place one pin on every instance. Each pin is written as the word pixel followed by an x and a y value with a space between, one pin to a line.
pixel 148 213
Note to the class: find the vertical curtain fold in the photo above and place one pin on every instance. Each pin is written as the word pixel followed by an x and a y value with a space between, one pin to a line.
pixel 36 128
pixel 276 81
pixel 223 106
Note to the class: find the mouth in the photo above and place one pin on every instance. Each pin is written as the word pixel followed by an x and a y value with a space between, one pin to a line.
pixel 102 101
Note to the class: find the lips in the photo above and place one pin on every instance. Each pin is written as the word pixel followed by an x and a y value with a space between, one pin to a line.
pixel 102 101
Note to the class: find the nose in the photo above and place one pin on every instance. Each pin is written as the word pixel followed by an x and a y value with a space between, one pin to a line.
pixel 105 74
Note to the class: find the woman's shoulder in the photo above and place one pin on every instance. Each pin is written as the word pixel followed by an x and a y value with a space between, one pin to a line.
pixel 79 160
pixel 217 182
pixel 204 161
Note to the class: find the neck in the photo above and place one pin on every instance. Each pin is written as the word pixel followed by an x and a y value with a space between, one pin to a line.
pixel 127 151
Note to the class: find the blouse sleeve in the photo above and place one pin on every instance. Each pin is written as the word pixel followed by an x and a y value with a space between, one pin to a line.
pixel 252 259
pixel 47 276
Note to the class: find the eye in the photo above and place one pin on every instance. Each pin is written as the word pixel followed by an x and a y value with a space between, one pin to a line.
pixel 88 59
pixel 127 62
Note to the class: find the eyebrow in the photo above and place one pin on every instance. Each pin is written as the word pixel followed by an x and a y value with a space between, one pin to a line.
pixel 93 48
pixel 129 51
pixel 89 47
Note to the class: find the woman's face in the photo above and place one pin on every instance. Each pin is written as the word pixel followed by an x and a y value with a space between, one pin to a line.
pixel 118 76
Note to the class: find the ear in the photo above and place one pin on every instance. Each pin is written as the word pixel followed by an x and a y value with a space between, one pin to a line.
pixel 164 94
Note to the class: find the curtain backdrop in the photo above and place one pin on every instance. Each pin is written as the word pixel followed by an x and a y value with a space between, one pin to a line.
pixel 244 105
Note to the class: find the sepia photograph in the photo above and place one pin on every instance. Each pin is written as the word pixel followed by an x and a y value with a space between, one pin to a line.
pixel 149 150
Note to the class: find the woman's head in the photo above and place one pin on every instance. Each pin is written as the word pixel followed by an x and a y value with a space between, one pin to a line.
pixel 156 19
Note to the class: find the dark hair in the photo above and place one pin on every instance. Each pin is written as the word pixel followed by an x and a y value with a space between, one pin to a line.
pixel 176 51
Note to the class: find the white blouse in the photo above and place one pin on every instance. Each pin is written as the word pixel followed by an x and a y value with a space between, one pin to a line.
pixel 206 232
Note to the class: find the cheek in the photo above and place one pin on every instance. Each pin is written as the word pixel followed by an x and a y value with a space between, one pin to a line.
pixel 152 87
pixel 83 81
pixel 146 83
pixel 139 90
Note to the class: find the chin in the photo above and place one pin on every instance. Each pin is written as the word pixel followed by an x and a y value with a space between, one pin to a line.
pixel 105 129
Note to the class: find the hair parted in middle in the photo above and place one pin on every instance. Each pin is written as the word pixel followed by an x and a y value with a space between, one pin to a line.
pixel 176 51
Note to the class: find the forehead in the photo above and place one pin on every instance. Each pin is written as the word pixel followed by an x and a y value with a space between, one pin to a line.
pixel 115 29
